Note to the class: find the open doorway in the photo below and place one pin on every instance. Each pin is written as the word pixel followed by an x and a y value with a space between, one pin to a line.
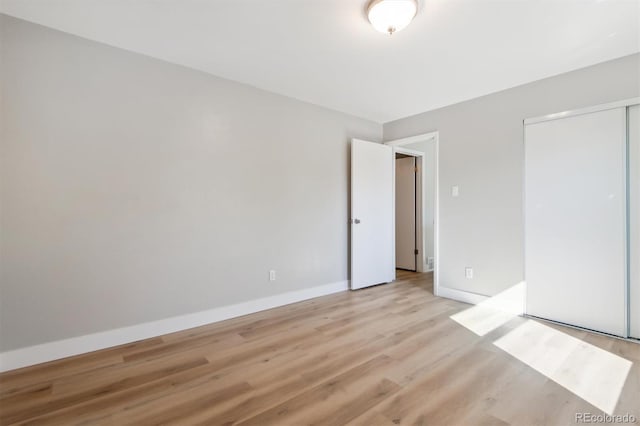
pixel 407 212
pixel 416 201
pixel 372 213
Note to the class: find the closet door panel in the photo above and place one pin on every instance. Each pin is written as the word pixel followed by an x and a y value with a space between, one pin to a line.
pixel 634 216
pixel 575 220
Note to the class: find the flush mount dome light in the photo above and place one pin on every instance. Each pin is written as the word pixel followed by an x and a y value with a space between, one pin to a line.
pixel 389 16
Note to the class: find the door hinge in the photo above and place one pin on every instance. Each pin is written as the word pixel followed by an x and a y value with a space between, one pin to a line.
pixel 415 169
pixel 415 251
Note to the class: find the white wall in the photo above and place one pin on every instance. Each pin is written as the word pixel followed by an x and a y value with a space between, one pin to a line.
pixel 133 190
pixel 481 151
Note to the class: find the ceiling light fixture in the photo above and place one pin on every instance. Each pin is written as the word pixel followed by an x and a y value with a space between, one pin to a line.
pixel 390 16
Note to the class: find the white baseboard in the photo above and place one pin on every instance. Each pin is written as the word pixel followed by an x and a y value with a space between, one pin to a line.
pixel 37 354
pixel 461 296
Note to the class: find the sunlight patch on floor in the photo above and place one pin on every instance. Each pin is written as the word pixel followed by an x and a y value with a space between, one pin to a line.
pixel 593 374
pixel 493 312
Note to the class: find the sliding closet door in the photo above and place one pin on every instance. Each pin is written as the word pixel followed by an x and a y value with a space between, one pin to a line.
pixel 575 220
pixel 634 216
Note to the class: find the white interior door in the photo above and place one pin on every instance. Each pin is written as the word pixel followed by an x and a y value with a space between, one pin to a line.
pixel 372 215
pixel 634 215
pixel 575 220
pixel 406 213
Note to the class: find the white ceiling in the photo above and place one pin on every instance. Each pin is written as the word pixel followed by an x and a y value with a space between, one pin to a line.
pixel 325 52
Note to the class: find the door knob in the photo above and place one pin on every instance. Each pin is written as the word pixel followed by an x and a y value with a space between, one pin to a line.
pixel 356 221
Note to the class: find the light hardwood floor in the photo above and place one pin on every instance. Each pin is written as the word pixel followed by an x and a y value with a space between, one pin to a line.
pixel 390 354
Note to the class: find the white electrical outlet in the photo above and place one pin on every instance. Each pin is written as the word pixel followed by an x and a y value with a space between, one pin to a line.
pixel 272 275
pixel 455 191
pixel 430 263
pixel 468 272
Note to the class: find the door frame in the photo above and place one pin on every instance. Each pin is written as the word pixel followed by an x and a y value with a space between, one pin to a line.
pixel 398 146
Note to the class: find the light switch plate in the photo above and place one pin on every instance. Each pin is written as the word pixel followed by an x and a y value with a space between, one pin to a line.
pixel 455 191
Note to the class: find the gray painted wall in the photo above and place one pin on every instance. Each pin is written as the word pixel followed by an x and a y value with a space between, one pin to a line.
pixel 133 190
pixel 481 151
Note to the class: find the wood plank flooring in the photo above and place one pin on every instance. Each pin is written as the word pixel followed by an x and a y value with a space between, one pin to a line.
pixel 385 355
